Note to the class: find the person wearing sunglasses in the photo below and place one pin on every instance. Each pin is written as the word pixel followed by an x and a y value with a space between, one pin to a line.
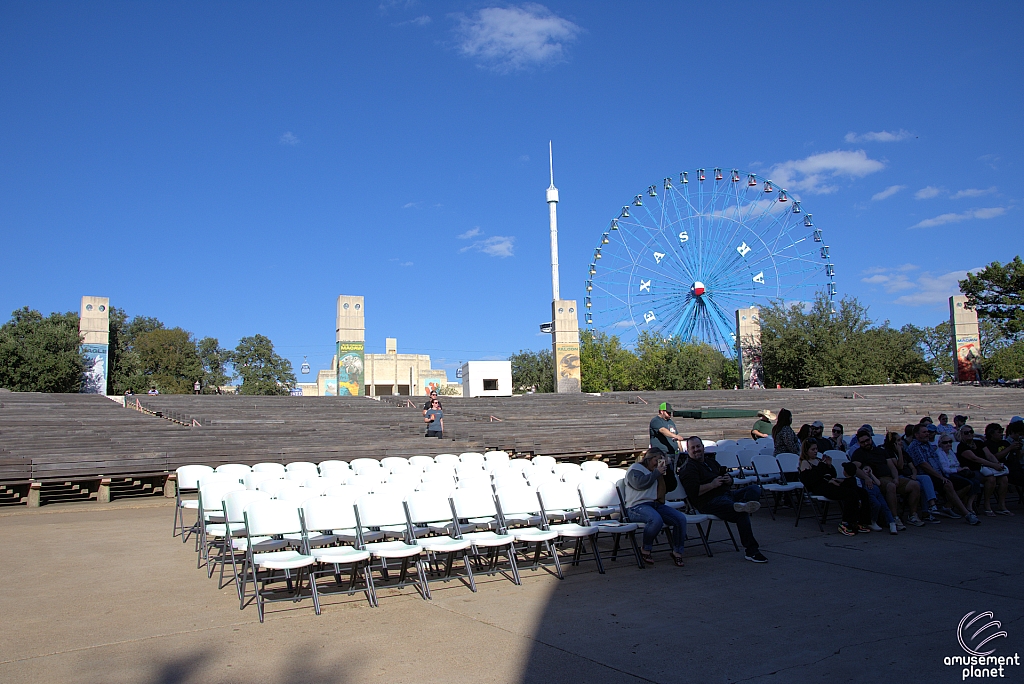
pixel 839 442
pixel 434 419
pixel 970 453
pixel 922 452
pixel 965 481
pixel 431 398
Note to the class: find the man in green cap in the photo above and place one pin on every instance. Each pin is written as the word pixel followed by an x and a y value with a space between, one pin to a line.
pixel 663 433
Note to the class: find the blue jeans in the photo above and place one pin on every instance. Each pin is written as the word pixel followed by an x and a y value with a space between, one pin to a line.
pixel 721 506
pixel 655 516
pixel 927 488
pixel 877 500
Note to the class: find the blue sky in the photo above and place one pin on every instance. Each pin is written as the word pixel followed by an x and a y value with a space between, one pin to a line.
pixel 233 167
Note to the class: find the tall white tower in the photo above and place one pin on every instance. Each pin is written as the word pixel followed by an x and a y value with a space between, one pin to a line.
pixel 565 336
pixel 552 197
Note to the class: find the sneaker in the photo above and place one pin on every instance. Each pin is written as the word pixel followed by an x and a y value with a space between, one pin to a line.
pixel 892 528
pixel 972 519
pixel 862 528
pixel 933 519
pixel 934 510
pixel 748 507
pixel 915 521
pixel 950 513
pixel 848 531
pixel 900 527
pixel 757 556
pixel 875 527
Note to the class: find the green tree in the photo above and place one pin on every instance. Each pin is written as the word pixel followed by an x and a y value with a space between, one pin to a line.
pixel 214 359
pixel 605 366
pixel 1006 363
pixel 125 366
pixel 936 345
pixel 261 369
pixel 532 371
pixel 41 354
pixel 674 364
pixel 997 293
pixel 169 359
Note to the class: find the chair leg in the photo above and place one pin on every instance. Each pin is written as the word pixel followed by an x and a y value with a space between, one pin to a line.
pixel 799 506
pixel 312 587
pixel 704 538
pixel 554 555
pixel 371 593
pixel 511 552
pixel 636 551
pixel 597 554
pixel 469 570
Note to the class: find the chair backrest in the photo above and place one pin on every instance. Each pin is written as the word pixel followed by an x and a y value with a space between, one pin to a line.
pixel 302 467
pixel 559 497
pixel 472 457
pixel 469 470
pixel 878 440
pixel 210 478
pixel 421 461
pixel 212 494
pixel 512 478
pixel 496 457
pixel 612 474
pixel 518 499
pixel 253 480
pixel 380 510
pixel 408 478
pixel 367 482
pixel 747 442
pixel 789 463
pixel 234 469
pixel 474 503
pixel 268 468
pixel 331 465
pixel 345 491
pixel 574 477
pixel 269 518
pixel 300 475
pixel 294 496
pixel 598 492
pixel 329 513
pixel 395 464
pixel 519 463
pixel 746 458
pixel 561 468
pixel 835 454
pixel 677 494
pixel 428 507
pixel 189 476
pixel 369 466
pixel 236 501
pixel 538 475
pixel 316 486
pixel 446 459
pixel 589 466
pixel 275 487
pixel 547 462
pixel 766 466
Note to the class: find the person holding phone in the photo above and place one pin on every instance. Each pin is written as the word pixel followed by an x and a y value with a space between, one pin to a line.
pixel 647 482
pixel 434 418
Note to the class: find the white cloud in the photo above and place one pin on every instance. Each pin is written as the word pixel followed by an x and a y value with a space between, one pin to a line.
pixel 928 192
pixel 926 288
pixel 987 213
pixel 888 192
pixel 812 174
pixel 878 136
pixel 973 192
pixel 471 233
pixel 496 246
pixel 289 138
pixel 512 38
pixel 412 205
pixel 418 21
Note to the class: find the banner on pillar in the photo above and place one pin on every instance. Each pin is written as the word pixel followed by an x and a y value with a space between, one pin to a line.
pixel 968 358
pixel 94 377
pixel 567 363
pixel 350 369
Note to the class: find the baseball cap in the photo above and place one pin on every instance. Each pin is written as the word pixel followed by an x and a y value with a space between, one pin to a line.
pixel 867 427
pixel 1017 419
pixel 665 406
pixel 817 423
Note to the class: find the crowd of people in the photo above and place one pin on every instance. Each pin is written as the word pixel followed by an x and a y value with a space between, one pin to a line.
pixel 930 471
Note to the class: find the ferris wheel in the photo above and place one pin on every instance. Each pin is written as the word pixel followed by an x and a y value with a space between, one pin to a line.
pixel 684 255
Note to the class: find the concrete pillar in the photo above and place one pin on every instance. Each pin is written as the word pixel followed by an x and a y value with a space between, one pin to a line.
pixel 103 493
pixel 748 347
pixel 94 326
pixel 565 346
pixel 171 486
pixel 963 323
pixel 351 340
pixel 34 491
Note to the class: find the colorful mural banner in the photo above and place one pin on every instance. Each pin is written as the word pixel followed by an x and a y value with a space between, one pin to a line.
pixel 94 377
pixel 968 358
pixel 350 369
pixel 429 383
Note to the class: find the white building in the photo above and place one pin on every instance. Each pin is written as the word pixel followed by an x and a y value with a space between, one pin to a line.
pixel 487 379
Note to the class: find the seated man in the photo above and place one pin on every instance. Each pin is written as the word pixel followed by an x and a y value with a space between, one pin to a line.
pixel 922 453
pixel 763 427
pixel 854 444
pixel 890 482
pixel 817 428
pixel 709 490
pixel 965 481
pixel 647 482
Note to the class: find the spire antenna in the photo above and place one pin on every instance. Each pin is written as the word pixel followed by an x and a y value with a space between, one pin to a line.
pixel 551 164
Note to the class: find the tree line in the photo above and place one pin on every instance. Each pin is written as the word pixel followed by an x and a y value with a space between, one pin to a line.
pixel 43 354
pixel 807 345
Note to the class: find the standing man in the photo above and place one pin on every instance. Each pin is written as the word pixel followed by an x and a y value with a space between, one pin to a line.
pixel 763 427
pixel 709 489
pixel 197 388
pixel 663 433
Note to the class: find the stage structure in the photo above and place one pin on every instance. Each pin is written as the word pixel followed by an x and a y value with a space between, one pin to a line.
pixel 94 326
pixel 748 347
pixel 351 339
pixel 963 324
pixel 565 329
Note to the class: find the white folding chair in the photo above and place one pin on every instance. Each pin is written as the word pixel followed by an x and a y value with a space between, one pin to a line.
pixel 211 517
pixel 575 477
pixel 519 464
pixel 547 462
pixel 269 468
pixel 331 465
pixel 562 468
pixel 387 513
pixel 187 481
pixel 612 475
pixel 308 469
pixel 519 505
pixel 472 458
pixel 234 538
pixel 476 507
pixel 771 476
pixel 435 513
pixel 237 469
pixel 593 466
pixel 446 459
pixel 369 466
pixel 420 461
pixel 561 501
pixel 496 458
pixel 333 518
pixel 600 501
pixel 276 519
pixel 394 464
pixel 252 480
pixel 538 475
